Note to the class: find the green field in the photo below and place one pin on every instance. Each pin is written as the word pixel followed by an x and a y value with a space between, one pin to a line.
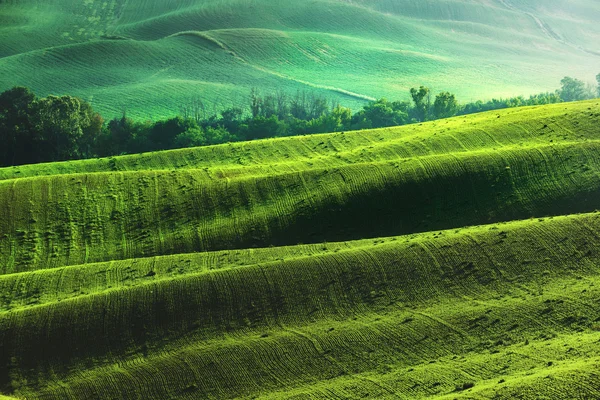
pixel 452 259
pixel 150 57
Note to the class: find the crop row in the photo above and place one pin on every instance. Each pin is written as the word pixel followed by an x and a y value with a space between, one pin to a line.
pixel 405 348
pixel 54 221
pixel 537 278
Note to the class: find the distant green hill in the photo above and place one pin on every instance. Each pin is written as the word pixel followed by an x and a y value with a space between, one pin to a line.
pixel 452 259
pixel 150 57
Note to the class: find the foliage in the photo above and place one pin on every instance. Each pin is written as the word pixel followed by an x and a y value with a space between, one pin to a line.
pixel 573 89
pixel 192 137
pixel 337 120
pixel 17 133
pixel 264 127
pixel 162 134
pixel 121 136
pixel 497 104
pixel 67 128
pixel 422 99
pixel 381 113
pixel 445 105
pixel 47 129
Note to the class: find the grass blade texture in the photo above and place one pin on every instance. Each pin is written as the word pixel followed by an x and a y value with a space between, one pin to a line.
pixel 453 259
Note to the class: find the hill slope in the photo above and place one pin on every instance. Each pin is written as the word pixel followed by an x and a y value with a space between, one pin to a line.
pixel 181 274
pixel 152 56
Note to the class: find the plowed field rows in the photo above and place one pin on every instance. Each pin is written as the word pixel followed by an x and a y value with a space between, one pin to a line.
pixel 457 259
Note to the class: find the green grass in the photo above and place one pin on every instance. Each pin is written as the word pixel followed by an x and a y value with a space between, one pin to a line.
pixel 308 189
pixel 152 56
pixel 452 259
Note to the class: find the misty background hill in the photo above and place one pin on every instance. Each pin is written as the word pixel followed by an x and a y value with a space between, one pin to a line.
pixel 150 57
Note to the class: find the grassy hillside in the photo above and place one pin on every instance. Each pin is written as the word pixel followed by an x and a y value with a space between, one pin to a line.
pixel 452 259
pixel 456 172
pixel 152 56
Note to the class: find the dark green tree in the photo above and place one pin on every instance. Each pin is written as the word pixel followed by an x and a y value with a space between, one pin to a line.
pixel 298 106
pixel 337 120
pixel 19 140
pixel 445 105
pixel 193 137
pixel 163 133
pixel 598 88
pixel 91 131
pixel 219 135
pixel 48 129
pixel 256 103
pixel 380 114
pixel 60 121
pixel 231 119
pixel 317 106
pixel 261 128
pixel 122 136
pixel 269 106
pixel 543 98
pixel 283 105
pixel 422 100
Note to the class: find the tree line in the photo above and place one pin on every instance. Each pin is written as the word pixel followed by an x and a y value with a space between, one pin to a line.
pixel 34 130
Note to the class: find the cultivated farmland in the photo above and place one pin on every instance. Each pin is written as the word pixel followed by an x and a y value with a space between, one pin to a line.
pixel 452 259
pixel 150 57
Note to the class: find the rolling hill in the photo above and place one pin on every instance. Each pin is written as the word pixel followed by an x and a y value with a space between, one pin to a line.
pixel 150 57
pixel 452 259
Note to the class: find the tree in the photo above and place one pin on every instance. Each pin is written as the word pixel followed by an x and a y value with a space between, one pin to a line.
pixel 380 114
pixel 269 106
pixel 256 103
pixel 53 128
pixel 115 137
pixel 261 128
pixel 91 132
pixel 298 106
pixel 122 136
pixel 316 107
pixel 422 100
pixel 62 125
pixel 162 135
pixel 57 119
pixel 598 80
pixel 402 106
pixel 337 120
pixel 445 105
pixel 572 89
pixel 341 117
pixel 219 135
pixel 543 98
pixel 195 110
pixel 283 107
pixel 231 119
pixel 193 137
pixel 17 135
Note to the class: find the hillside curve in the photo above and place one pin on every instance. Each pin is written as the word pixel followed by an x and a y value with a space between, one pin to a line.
pixel 453 259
